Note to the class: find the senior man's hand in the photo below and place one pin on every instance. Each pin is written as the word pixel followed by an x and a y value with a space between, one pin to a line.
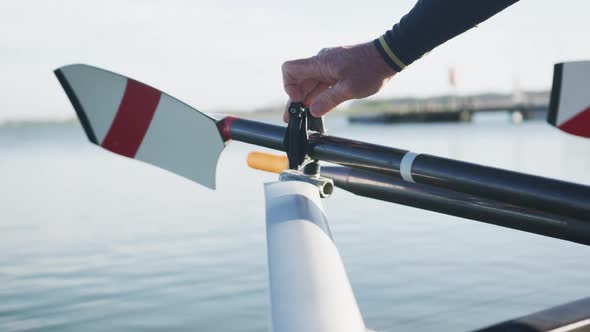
pixel 335 75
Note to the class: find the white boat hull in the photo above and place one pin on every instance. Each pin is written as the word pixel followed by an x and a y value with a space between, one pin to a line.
pixel 309 288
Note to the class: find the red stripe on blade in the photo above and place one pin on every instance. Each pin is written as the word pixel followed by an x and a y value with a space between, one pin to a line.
pixel 579 124
pixel 132 120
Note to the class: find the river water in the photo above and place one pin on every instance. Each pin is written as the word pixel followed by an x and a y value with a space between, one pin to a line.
pixel 90 241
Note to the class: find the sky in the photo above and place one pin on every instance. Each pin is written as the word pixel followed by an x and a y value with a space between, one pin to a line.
pixel 221 55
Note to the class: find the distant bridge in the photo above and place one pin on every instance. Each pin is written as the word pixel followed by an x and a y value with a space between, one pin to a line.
pixel 443 112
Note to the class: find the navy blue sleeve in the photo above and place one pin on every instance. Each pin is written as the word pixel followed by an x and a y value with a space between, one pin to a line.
pixel 431 23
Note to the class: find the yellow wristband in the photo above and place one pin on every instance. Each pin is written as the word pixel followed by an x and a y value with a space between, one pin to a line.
pixel 390 53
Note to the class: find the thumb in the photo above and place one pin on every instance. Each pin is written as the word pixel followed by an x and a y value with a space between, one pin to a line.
pixel 332 97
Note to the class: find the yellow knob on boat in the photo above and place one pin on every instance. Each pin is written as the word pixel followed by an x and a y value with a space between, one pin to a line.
pixel 268 162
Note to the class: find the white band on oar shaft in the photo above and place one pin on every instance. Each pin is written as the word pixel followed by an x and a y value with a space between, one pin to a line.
pixel 405 167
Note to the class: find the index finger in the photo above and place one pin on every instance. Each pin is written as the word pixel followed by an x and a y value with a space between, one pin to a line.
pixel 295 72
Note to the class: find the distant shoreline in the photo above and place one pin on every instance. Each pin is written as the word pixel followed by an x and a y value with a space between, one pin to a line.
pixel 357 107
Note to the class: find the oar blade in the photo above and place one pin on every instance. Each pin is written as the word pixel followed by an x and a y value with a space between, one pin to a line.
pixel 135 120
pixel 569 108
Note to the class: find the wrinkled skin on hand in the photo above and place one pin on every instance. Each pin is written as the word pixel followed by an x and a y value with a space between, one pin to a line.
pixel 335 75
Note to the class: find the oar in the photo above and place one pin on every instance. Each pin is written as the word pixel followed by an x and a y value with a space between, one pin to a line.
pixel 389 189
pixel 519 189
pixel 134 120
pixel 137 121
pixel 569 107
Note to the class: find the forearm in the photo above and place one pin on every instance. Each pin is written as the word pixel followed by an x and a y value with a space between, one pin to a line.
pixel 431 23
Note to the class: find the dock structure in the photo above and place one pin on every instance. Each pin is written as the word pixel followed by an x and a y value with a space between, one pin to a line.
pixel 450 108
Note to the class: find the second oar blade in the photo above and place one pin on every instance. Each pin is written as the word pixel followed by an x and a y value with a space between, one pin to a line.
pixel 137 121
pixel 569 109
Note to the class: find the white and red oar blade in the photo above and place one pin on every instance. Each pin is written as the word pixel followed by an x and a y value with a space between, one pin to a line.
pixel 134 120
pixel 569 108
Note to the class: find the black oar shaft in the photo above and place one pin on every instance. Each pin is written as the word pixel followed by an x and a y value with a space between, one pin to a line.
pixel 519 189
pixel 386 188
pixel 555 196
pixel 258 133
